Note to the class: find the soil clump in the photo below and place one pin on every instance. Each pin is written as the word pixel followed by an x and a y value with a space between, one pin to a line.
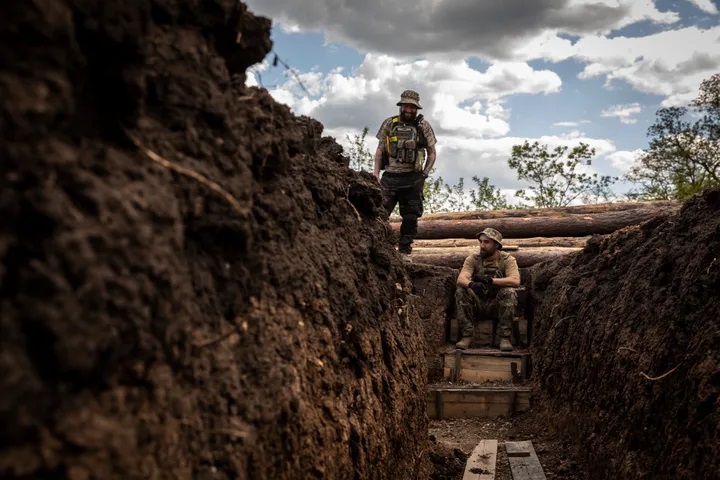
pixel 626 346
pixel 193 284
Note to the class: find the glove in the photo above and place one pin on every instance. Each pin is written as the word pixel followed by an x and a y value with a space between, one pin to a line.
pixel 478 288
pixel 486 280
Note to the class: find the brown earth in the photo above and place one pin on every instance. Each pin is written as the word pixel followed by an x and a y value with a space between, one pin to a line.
pixel 626 350
pixel 433 295
pixel 558 456
pixel 192 282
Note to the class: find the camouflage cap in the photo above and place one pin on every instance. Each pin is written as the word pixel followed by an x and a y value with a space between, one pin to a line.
pixel 411 97
pixel 492 234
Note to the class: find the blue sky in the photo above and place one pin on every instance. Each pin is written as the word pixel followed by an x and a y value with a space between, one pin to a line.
pixel 492 74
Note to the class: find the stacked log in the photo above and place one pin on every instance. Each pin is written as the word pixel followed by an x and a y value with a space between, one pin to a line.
pixel 531 236
pixel 510 243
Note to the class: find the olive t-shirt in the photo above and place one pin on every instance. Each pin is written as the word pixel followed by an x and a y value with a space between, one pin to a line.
pixel 504 263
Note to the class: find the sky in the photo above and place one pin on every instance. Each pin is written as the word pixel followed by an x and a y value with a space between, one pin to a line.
pixel 492 74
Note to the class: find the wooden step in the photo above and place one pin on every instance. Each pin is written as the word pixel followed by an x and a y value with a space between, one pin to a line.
pixel 484 365
pixel 445 402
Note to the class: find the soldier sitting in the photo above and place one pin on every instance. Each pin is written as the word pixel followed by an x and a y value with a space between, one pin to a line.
pixel 486 287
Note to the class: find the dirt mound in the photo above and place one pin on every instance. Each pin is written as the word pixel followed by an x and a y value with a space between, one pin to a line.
pixel 192 283
pixel 627 346
pixel 432 299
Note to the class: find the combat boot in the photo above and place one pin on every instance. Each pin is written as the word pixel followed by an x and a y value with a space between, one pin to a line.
pixel 464 344
pixel 405 244
pixel 405 248
pixel 505 345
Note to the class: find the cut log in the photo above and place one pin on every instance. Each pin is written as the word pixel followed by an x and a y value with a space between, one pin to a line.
pixel 545 212
pixel 454 257
pixel 577 242
pixel 528 227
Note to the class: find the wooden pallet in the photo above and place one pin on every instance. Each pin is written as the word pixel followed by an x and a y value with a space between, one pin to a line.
pixel 476 402
pixel 480 366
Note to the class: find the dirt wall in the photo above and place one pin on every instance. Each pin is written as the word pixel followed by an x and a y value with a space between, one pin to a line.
pixel 192 283
pixel 626 349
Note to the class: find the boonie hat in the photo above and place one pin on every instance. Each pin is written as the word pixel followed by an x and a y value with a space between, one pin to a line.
pixel 492 234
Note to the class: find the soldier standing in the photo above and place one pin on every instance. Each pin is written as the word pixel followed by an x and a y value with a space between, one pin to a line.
pixel 405 141
pixel 486 287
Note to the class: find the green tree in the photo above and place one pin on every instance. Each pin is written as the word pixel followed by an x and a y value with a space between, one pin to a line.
pixel 442 197
pixel 435 193
pixel 486 196
pixel 554 176
pixel 361 158
pixel 683 157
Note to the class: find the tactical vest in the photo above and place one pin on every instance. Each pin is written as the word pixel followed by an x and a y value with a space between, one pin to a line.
pixel 397 139
pixel 498 271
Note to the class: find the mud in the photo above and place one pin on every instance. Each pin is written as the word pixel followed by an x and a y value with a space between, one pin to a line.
pixel 192 283
pixel 626 350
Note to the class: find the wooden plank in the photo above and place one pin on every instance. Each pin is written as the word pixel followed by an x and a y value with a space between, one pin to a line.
pixel 439 405
pixel 486 352
pixel 526 468
pixel 481 376
pixel 518 449
pixel 478 359
pixel 483 402
pixel 458 361
pixel 481 463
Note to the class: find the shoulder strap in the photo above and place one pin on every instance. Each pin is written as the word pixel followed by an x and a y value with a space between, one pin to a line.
pixel 422 141
pixel 503 261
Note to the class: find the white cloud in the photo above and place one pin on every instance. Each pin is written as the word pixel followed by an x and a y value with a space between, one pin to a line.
pixel 570 124
pixel 706 6
pixel 465 106
pixel 623 160
pixel 624 113
pixel 662 64
pixel 490 30
pixel 456 98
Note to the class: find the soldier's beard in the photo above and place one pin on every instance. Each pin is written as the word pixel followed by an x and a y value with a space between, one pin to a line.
pixel 407 116
pixel 487 253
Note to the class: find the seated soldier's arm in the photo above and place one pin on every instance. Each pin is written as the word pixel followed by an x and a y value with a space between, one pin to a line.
pixel 510 281
pixel 465 277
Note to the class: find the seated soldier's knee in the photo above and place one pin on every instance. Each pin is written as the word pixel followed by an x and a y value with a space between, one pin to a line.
pixel 507 295
pixel 462 293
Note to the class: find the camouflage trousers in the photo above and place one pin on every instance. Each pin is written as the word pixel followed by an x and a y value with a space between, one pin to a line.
pixel 499 306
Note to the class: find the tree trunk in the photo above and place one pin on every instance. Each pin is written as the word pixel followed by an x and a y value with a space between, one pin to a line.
pixel 546 212
pixel 527 227
pixel 455 257
pixel 508 242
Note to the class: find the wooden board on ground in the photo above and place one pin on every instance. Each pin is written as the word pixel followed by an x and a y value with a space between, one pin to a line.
pixel 481 463
pixel 525 467
pixel 476 402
